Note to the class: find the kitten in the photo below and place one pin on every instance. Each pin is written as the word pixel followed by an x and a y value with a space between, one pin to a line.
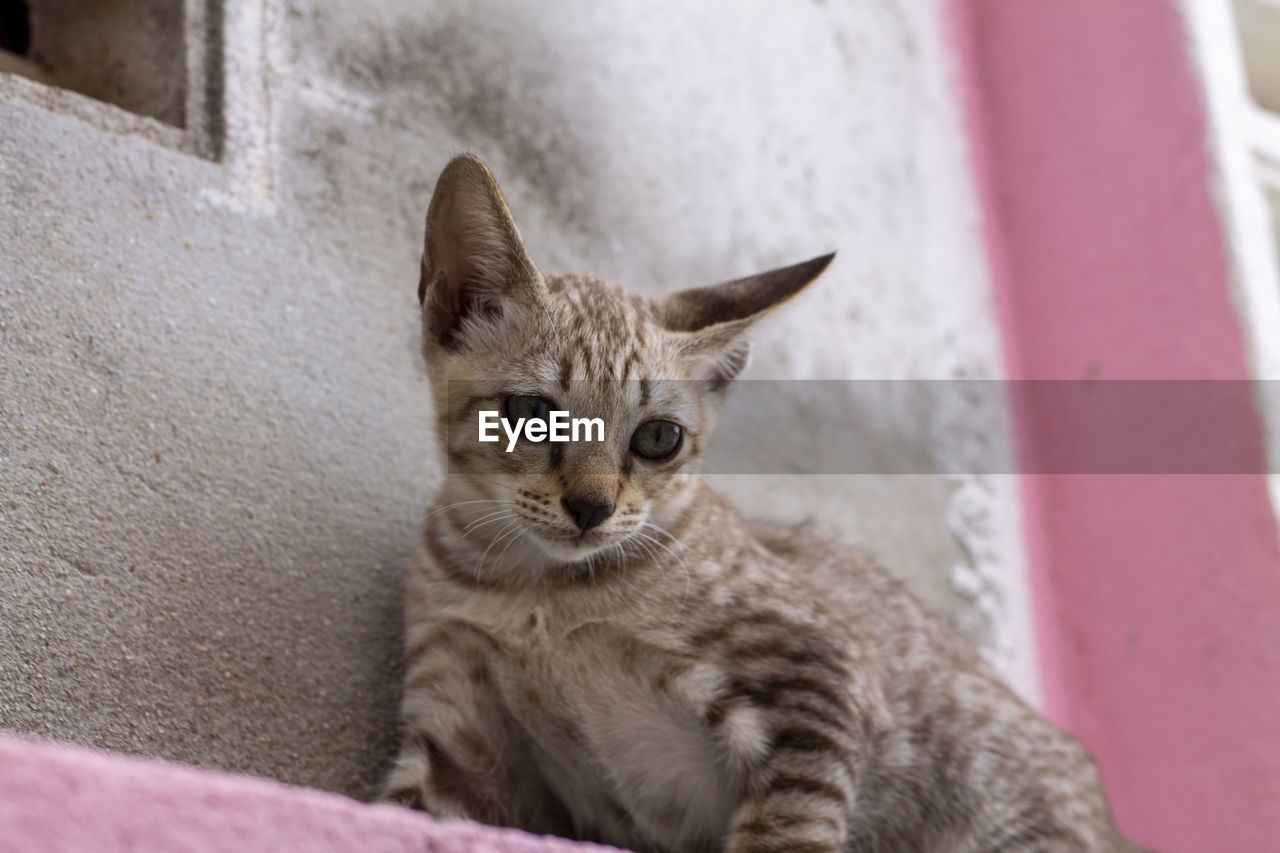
pixel 599 646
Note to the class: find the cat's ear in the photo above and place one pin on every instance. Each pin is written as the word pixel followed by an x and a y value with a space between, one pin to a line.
pixel 473 262
pixel 715 317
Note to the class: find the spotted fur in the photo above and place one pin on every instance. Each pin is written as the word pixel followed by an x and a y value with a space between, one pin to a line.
pixel 675 679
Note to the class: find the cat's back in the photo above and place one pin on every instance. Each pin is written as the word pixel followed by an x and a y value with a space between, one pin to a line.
pixel 871 603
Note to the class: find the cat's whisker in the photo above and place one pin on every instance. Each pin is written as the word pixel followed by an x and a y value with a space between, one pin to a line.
pixel 507 517
pixel 506 506
pixel 507 534
pixel 622 554
pixel 498 560
pixel 510 519
pixel 652 555
pixel 657 528
pixel 676 542
pixel 652 546
pixel 688 575
pixel 507 510
pixel 508 528
pixel 448 507
pixel 664 531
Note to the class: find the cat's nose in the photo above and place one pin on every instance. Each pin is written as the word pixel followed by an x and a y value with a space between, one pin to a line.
pixel 587 513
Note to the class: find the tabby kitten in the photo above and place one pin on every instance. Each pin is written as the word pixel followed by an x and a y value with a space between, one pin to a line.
pixel 599 646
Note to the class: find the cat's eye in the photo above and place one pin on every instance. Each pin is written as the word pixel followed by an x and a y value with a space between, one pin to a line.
pixel 657 439
pixel 529 408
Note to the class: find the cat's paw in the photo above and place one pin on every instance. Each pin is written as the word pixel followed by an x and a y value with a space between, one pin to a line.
pixel 409 796
pixel 414 797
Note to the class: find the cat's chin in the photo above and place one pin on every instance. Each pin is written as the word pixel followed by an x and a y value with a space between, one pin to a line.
pixel 573 549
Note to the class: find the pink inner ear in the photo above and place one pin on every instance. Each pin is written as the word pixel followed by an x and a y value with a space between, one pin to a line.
pixel 452 304
pixel 453 296
pixel 453 259
pixel 465 260
pixel 475 250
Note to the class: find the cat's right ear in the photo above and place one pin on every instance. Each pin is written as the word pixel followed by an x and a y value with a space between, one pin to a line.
pixel 473 263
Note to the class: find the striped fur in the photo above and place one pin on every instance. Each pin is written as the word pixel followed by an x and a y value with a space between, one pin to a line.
pixel 675 679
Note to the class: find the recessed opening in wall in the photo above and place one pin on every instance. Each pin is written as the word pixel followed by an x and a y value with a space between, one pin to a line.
pixel 131 53
pixel 1258 32
pixel 15 27
pixel 1258 28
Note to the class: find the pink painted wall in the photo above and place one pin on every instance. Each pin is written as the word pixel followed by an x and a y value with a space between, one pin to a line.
pixel 1157 597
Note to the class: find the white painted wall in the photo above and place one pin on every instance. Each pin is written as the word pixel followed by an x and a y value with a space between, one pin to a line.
pixel 214 449
pixel 1228 41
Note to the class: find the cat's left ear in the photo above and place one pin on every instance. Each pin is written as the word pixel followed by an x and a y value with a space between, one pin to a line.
pixel 715 317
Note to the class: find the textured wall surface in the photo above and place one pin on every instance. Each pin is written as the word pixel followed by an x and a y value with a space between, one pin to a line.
pixel 213 424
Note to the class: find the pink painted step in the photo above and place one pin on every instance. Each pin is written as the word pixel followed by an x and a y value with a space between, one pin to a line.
pixel 56 798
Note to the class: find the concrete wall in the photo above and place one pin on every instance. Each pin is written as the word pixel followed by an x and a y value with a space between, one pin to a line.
pixel 213 424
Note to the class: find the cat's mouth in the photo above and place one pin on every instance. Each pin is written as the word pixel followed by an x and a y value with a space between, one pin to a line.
pixel 574 546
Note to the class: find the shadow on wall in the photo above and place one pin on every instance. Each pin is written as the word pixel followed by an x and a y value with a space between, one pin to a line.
pixel 501 82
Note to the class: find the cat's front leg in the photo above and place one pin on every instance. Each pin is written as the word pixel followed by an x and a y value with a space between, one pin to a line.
pixel 801 805
pixel 798 741
pixel 455 734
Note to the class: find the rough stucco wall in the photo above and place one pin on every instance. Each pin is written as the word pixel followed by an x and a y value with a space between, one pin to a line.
pixel 214 451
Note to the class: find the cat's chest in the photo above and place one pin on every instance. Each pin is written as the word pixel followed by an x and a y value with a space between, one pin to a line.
pixel 616 731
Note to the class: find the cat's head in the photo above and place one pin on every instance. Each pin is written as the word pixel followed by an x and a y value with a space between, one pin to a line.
pixel 498 336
